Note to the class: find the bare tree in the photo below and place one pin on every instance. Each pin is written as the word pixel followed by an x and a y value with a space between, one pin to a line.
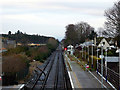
pixel 112 25
pixel 100 32
pixel 77 33
pixel 83 30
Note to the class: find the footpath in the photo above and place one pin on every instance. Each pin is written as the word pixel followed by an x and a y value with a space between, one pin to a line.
pixel 83 79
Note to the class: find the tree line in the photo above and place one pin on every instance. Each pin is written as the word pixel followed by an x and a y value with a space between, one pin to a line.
pixel 24 38
pixel 78 33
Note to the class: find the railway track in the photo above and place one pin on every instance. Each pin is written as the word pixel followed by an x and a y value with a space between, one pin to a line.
pixel 51 75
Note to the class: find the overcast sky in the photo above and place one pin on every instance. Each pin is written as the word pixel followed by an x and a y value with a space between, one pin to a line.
pixel 49 17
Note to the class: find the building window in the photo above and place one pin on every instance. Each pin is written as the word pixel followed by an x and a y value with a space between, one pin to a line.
pixel 103 43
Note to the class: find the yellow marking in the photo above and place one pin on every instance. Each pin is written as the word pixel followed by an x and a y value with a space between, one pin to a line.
pixel 77 82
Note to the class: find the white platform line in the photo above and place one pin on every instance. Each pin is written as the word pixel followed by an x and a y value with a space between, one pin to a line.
pixel 97 79
pixel 108 82
pixel 71 81
pixel 21 86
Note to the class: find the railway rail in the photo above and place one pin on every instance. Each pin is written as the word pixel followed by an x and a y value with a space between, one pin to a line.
pixel 51 75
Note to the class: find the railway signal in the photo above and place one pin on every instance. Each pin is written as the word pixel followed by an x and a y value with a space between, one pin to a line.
pixel 65 49
pixel 0 78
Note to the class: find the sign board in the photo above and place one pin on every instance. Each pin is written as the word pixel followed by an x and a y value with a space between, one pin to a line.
pixel 112 59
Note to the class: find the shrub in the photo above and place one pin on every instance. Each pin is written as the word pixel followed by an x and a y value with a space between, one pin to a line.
pixel 13 64
pixel 110 53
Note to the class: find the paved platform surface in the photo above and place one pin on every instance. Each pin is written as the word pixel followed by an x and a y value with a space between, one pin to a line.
pixel 12 87
pixel 84 79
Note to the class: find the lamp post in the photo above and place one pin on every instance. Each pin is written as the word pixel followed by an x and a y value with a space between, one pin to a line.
pixel 118 51
pixel 106 64
pixel 85 52
pixel 88 54
pixel 92 54
pixel 102 65
pixel 97 59
pixel 119 61
pixel 82 52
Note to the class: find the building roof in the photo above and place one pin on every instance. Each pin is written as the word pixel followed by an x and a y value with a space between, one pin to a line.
pixel 109 40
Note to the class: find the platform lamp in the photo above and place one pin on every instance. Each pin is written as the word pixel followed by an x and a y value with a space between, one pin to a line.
pixel 102 45
pixel 82 51
pixel 118 45
pixel 85 52
pixel 106 64
pixel 88 54
pixel 97 58
pixel 92 54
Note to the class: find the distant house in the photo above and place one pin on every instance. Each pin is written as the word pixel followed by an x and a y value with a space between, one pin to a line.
pixel 105 42
pixel 19 44
pixel 33 44
pixel 8 43
pixel 70 49
pixel 3 50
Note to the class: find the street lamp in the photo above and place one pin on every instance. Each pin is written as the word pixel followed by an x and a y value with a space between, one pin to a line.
pixel 119 64
pixel 97 59
pixel 102 65
pixel 92 54
pixel 106 64
pixel 88 54
pixel 118 51
pixel 85 52
pixel 82 52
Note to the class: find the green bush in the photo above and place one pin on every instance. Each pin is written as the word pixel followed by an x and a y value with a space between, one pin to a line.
pixel 28 53
pixel 110 53
pixel 38 58
pixel 13 64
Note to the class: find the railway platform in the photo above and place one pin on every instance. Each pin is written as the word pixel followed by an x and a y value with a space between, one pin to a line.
pixel 84 79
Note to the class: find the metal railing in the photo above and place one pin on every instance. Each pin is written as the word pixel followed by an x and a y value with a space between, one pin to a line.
pixel 112 76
